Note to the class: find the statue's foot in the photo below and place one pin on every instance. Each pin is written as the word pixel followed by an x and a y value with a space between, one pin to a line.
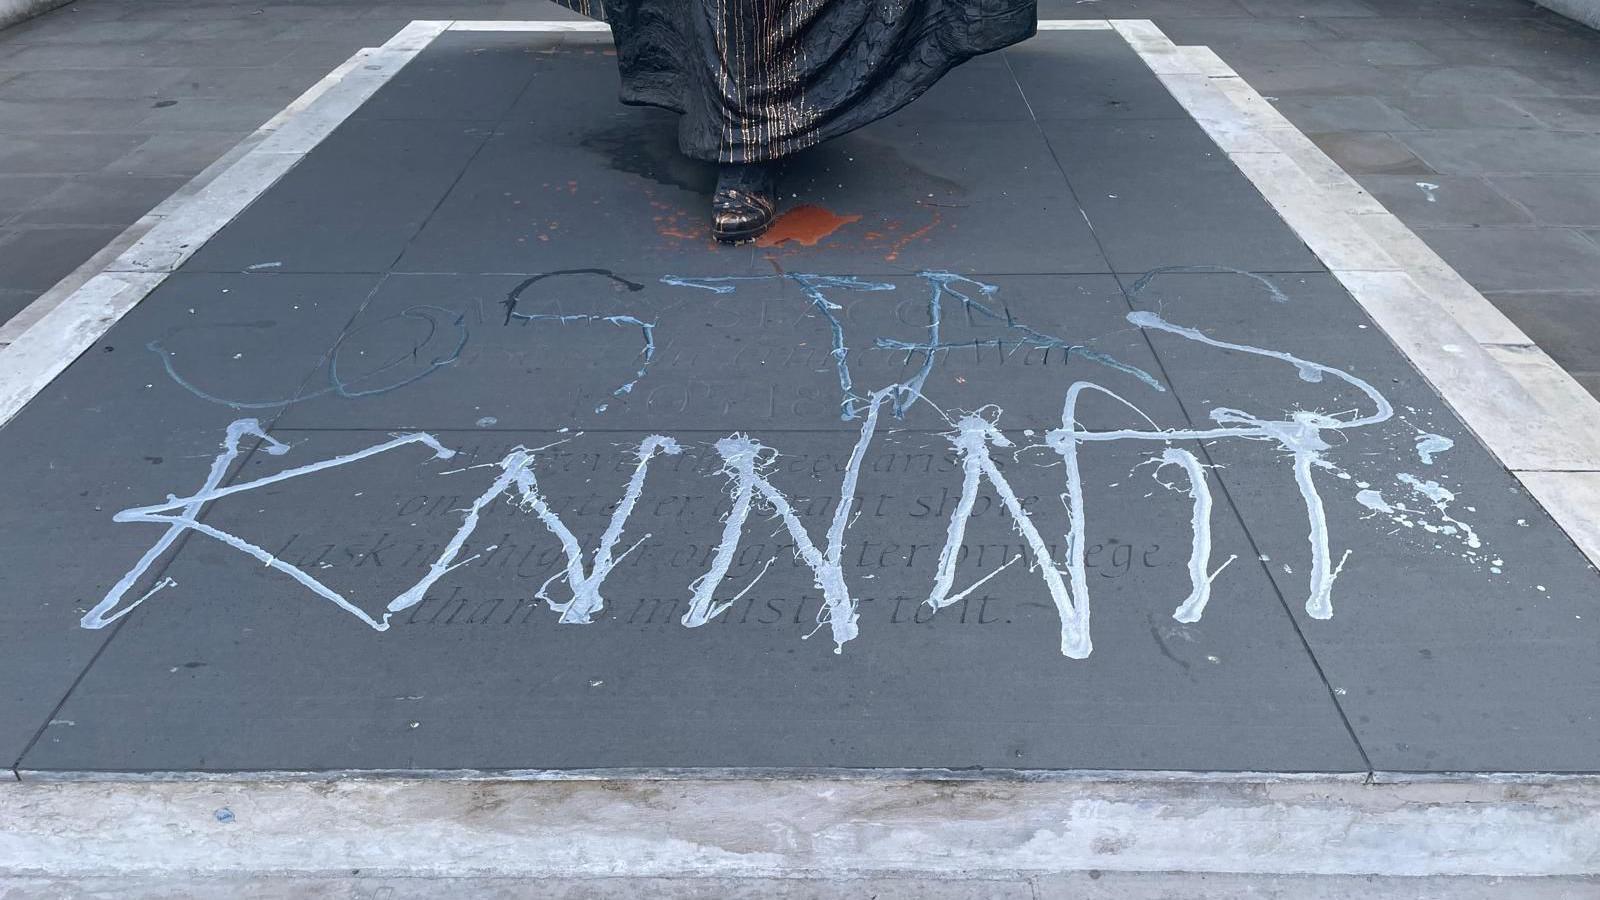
pixel 745 202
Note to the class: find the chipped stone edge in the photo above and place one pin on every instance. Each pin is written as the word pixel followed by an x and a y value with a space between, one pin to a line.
pixel 1535 418
pixel 50 333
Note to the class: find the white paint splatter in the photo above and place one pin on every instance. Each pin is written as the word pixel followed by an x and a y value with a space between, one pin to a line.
pixel 1441 498
pixel 1429 445
pixel 1373 500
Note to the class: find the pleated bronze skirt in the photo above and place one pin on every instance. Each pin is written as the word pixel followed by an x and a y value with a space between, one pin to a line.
pixel 756 80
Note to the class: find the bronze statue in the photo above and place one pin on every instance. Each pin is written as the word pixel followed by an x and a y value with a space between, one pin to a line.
pixel 757 80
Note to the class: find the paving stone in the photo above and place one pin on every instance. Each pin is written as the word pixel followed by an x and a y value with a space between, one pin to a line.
pixel 1462 112
pixel 63 154
pixel 178 153
pixel 249 26
pixel 1537 25
pixel 1518 259
pixel 1564 113
pixel 716 355
pixel 588 696
pixel 1323 9
pixel 1501 52
pixel 1564 80
pixel 1314 78
pixel 279 84
pixel 1132 9
pixel 18 193
pixel 355 204
pixel 90 84
pixel 36 258
pixel 1364 153
pixel 982 91
pixel 1391 27
pixel 1561 323
pixel 138 54
pixel 318 56
pixel 1494 151
pixel 361 32
pixel 464 76
pixel 957 182
pixel 1417 695
pixel 117 397
pixel 201 114
pixel 1312 114
pixel 1108 80
pixel 1147 214
pixel 23 118
pixel 1500 81
pixel 1227 31
pixel 1572 200
pixel 86 32
pixel 1394 52
pixel 1269 53
pixel 102 200
pixel 1443 200
pixel 14 301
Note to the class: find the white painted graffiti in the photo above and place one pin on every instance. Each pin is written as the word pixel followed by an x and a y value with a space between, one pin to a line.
pixel 1302 436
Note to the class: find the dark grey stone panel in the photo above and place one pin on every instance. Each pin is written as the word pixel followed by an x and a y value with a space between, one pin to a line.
pixel 114 431
pixel 352 205
pixel 1443 200
pixel 760 355
pixel 254 672
pixel 1091 76
pixel 464 75
pixel 964 199
pixel 1438 661
pixel 539 198
pixel 36 258
pixel 1161 193
pixel 1449 649
pixel 1519 259
pixel 980 90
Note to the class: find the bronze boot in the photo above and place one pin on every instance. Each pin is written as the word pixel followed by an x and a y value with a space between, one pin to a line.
pixel 745 202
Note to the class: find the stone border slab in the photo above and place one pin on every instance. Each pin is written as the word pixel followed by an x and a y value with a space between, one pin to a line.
pixel 774 827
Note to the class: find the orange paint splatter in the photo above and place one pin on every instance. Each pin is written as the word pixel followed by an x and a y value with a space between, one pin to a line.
pixel 806 225
pixel 902 243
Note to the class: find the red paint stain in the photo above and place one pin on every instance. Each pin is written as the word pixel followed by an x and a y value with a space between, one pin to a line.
pixel 806 225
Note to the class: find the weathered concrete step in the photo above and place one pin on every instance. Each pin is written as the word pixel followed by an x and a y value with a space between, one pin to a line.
pixel 1095 885
pixel 821 828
